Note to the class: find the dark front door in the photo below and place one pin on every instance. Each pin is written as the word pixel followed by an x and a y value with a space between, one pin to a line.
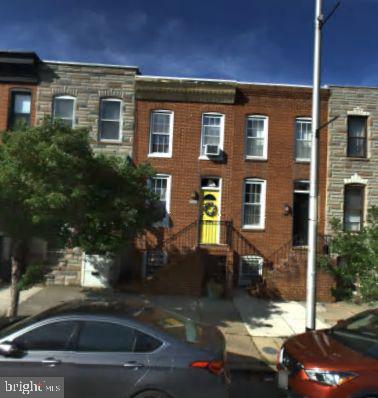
pixel 300 219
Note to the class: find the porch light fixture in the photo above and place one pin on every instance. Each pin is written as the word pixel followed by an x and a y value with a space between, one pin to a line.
pixel 287 209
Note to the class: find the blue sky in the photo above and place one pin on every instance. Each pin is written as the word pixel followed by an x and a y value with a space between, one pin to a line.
pixel 254 40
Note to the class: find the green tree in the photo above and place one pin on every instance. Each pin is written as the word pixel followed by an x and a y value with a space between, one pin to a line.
pixel 53 186
pixel 358 255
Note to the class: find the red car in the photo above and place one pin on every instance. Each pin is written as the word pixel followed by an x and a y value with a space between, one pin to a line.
pixel 341 362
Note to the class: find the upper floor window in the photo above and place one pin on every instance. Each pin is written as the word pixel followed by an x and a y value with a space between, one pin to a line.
pixel 161 131
pixel 303 139
pixel 212 131
pixel 353 207
pixel 20 109
pixel 254 204
pixel 357 134
pixel 161 185
pixel 110 119
pixel 256 137
pixel 64 110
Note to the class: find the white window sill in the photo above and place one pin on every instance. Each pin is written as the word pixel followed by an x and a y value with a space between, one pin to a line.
pixel 159 155
pixel 302 160
pixel 253 227
pixel 204 157
pixel 110 141
pixel 256 158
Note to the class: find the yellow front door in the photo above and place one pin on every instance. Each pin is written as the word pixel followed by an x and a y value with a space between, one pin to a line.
pixel 210 209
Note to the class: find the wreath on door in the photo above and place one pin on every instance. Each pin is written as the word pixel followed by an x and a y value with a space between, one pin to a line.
pixel 210 209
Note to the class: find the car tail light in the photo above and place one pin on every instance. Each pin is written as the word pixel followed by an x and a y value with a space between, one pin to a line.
pixel 216 367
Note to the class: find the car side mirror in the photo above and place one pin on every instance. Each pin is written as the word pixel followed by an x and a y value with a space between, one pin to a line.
pixel 9 349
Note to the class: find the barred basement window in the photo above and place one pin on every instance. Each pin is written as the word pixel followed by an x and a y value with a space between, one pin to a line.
pixel 153 261
pixel 250 269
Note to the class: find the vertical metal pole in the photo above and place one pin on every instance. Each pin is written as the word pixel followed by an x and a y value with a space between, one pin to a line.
pixel 313 206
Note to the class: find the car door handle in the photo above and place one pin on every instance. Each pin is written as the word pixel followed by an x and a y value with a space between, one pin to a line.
pixel 133 364
pixel 51 362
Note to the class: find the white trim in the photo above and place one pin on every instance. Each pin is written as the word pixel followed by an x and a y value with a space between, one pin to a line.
pixel 262 182
pixel 170 144
pixel 301 119
pixel 165 221
pixel 120 121
pixel 67 97
pixel 355 179
pixel 266 134
pixel 48 61
pixel 358 111
pixel 221 132
pixel 193 79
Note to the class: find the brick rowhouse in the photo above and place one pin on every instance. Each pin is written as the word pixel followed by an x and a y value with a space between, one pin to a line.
pixel 191 262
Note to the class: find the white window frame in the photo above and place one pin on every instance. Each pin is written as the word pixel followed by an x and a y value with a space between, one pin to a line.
pixel 165 221
pixel 266 129
pixel 243 277
pixel 261 182
pixel 170 145
pixel 301 119
pixel 67 97
pixel 221 135
pixel 102 100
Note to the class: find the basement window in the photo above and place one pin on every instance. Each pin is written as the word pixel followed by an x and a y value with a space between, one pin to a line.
pixel 154 260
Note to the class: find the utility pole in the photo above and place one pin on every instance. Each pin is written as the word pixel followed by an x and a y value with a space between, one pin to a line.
pixel 313 200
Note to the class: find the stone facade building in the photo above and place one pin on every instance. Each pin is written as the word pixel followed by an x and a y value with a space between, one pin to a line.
pixel 352 177
pixel 97 97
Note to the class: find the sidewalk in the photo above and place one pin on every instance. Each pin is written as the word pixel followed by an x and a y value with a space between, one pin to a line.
pixel 254 329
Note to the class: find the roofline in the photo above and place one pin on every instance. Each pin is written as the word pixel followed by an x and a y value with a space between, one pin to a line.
pixel 48 61
pixel 351 86
pixel 236 82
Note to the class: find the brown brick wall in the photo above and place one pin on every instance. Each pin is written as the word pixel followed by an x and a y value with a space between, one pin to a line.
pixel 282 105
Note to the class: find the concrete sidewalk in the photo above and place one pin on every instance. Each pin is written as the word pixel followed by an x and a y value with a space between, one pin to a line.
pixel 254 329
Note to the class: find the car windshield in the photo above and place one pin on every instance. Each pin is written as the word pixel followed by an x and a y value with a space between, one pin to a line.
pixel 184 329
pixel 359 333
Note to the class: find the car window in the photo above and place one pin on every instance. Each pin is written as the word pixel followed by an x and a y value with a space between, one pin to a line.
pixel 55 336
pixel 106 337
pixel 146 343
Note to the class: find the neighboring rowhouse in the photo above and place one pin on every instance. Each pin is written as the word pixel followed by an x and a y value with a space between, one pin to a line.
pixel 352 155
pixel 97 97
pixel 18 88
pixel 232 164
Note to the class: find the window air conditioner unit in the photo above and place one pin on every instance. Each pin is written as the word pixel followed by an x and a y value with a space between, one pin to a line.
pixel 212 150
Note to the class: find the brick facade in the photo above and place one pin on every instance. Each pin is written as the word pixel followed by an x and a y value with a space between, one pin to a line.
pixel 343 170
pixel 282 105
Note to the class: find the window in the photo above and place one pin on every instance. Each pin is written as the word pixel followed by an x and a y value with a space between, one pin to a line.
pixel 353 207
pixel 110 120
pixel 161 185
pixel 64 109
pixel 357 129
pixel 256 133
pixel 98 336
pixel 250 269
pixel 52 337
pixel 161 132
pixel 212 131
pixel 303 139
pixel 153 261
pixel 254 204
pixel 20 109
